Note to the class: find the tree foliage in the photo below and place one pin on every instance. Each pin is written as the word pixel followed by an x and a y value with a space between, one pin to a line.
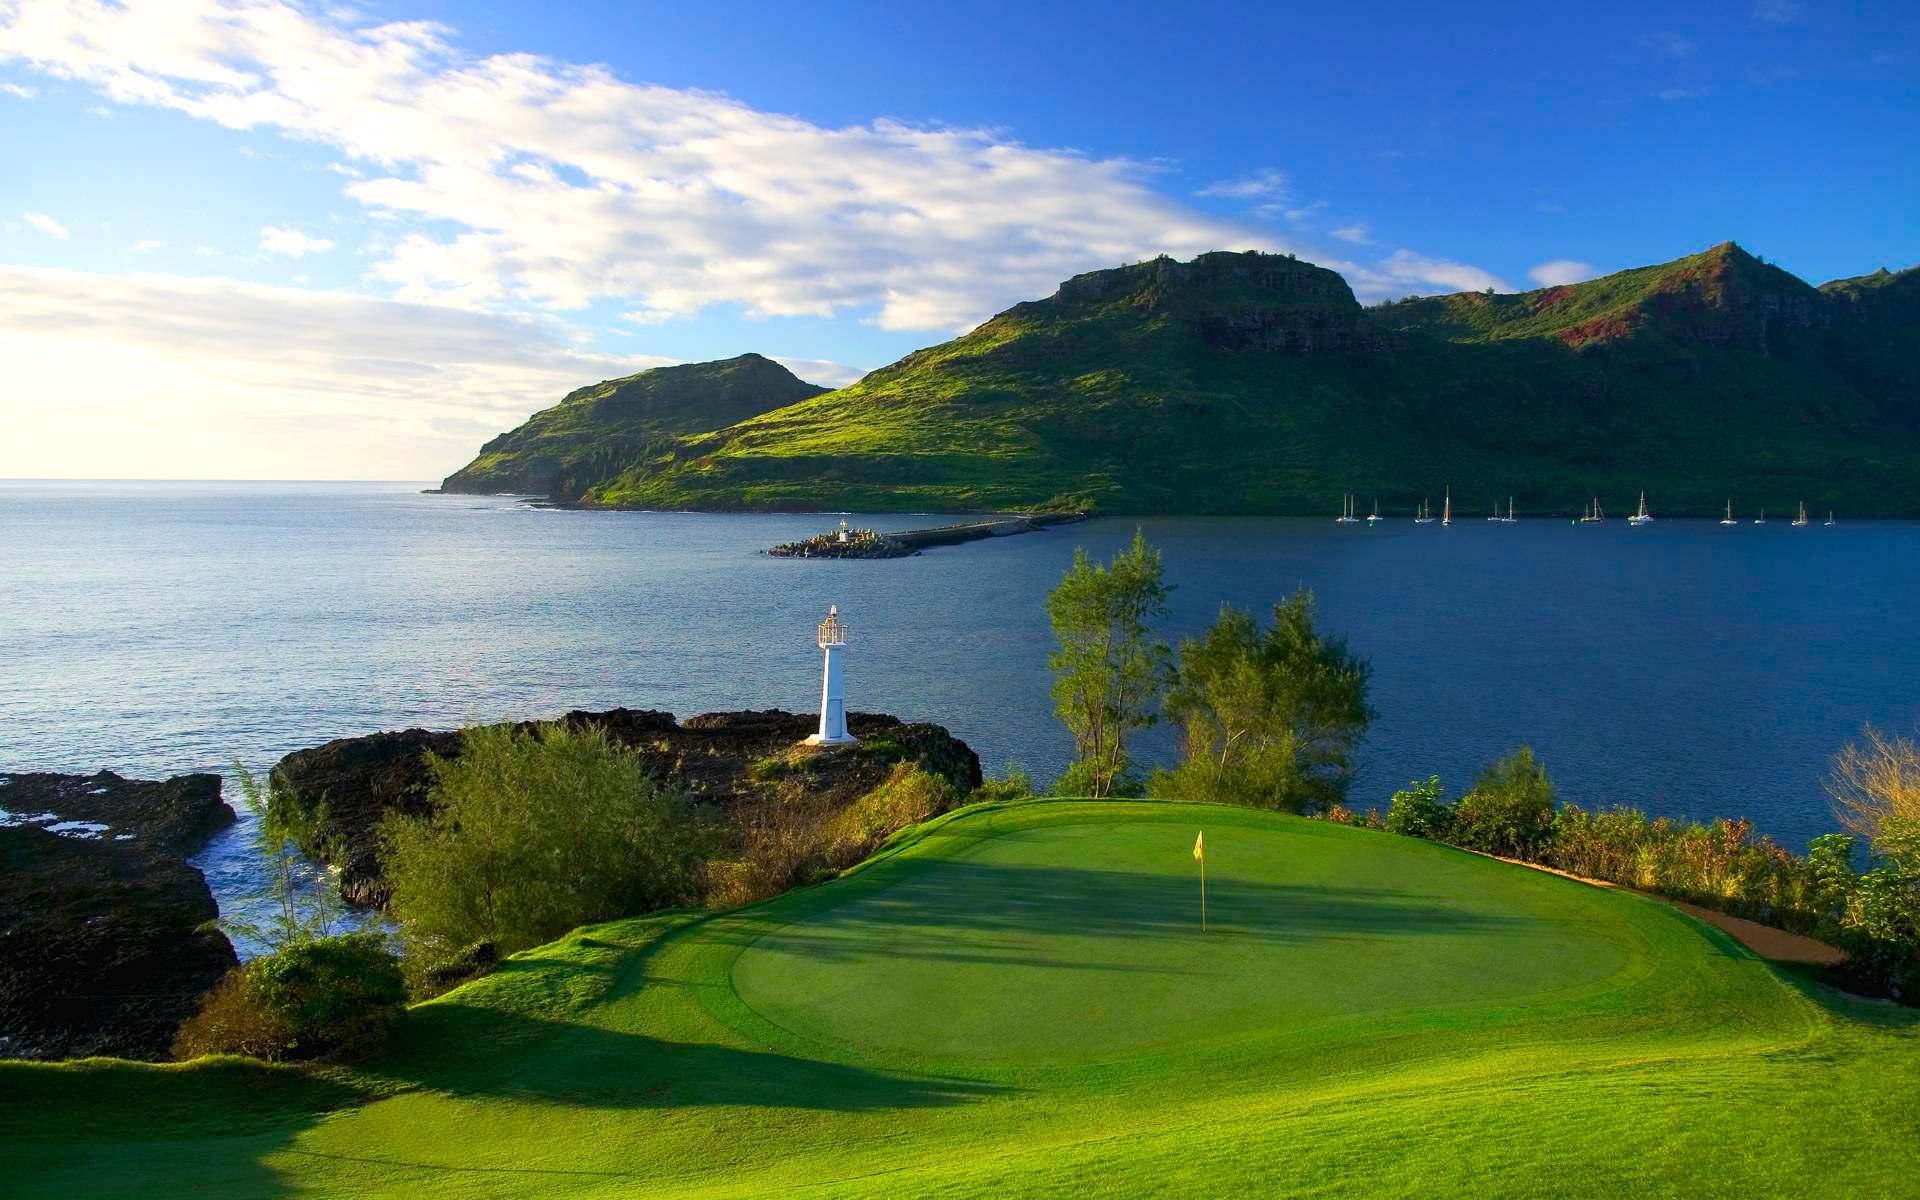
pixel 1875 780
pixel 532 834
pixel 296 910
pixel 1111 665
pixel 1268 718
pixel 1510 809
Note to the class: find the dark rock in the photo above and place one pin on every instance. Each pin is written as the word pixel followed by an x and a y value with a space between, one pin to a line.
pixel 176 814
pixel 354 782
pixel 106 947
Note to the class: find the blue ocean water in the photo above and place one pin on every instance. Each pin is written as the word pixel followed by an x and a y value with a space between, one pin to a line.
pixel 1683 667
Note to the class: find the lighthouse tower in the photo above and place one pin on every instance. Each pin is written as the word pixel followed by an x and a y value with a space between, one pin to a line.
pixel 833 707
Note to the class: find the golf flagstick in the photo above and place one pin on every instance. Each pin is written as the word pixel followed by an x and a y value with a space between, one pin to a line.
pixel 1200 853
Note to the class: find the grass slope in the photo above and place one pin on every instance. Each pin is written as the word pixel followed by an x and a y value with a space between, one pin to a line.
pixel 595 430
pixel 1255 383
pixel 1014 1000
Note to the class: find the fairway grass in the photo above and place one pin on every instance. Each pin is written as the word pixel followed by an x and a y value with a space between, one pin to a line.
pixel 1017 1000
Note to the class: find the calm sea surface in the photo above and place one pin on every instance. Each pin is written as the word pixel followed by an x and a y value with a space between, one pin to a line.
pixel 1685 668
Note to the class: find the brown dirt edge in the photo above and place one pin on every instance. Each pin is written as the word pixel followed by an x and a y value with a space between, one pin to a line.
pixel 1776 945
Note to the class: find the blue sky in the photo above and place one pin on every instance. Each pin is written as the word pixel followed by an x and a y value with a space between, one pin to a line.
pixel 293 241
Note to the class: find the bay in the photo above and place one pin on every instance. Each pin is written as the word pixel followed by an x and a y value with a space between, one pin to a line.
pixel 1683 667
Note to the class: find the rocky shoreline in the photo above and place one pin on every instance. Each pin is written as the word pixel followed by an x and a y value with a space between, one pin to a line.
pixel 107 941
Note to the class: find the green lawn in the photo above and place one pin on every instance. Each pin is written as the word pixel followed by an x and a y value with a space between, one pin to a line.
pixel 1017 1000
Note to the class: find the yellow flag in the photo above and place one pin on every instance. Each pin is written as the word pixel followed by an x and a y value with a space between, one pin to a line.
pixel 1200 846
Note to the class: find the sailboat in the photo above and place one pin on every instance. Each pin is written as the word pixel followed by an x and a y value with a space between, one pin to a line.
pixel 1728 520
pixel 1829 516
pixel 1510 519
pixel 1375 518
pixel 1643 517
pixel 1762 518
pixel 1446 513
pixel 1496 518
pixel 1801 522
pixel 1346 516
pixel 1593 513
pixel 1425 515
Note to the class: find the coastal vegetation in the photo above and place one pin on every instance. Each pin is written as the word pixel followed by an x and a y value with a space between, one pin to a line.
pixel 1268 718
pixel 1256 383
pixel 1110 666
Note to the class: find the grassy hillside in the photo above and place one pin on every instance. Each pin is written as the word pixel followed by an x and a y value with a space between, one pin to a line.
pixel 1016 1000
pixel 1255 383
pixel 594 431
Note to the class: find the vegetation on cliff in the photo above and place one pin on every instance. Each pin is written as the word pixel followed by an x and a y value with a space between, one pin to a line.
pixel 1257 383
pixel 595 431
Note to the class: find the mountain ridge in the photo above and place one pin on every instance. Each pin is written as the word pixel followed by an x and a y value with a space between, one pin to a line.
pixel 1257 383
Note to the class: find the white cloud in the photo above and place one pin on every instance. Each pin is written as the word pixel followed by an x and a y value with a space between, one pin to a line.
pixel 1357 234
pixel 822 371
pixel 1405 273
pixel 18 89
pixel 1779 12
pixel 242 380
pixel 46 224
pixel 564 184
pixel 1562 271
pixel 146 245
pixel 1265 183
pixel 291 242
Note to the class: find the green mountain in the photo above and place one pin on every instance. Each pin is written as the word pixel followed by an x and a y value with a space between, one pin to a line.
pixel 1256 383
pixel 595 431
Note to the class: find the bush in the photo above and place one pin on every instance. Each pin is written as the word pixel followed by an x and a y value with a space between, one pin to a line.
pixel 330 996
pixel 1418 811
pixel 1509 810
pixel 533 834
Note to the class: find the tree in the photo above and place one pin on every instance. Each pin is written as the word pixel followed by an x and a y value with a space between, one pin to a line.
pixel 1418 811
pixel 295 910
pixel 1874 781
pixel 1111 665
pixel 1270 718
pixel 532 834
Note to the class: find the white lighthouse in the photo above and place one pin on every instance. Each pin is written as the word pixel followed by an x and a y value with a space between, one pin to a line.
pixel 833 707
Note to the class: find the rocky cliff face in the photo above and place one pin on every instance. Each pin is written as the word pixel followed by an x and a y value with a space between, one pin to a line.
pixel 1246 303
pixel 359 780
pixel 106 942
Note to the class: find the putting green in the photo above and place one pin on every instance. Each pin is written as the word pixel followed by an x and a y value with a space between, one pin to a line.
pixel 1071 941
pixel 1013 1000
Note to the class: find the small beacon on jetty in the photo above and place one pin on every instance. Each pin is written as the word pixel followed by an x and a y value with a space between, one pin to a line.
pixel 833 707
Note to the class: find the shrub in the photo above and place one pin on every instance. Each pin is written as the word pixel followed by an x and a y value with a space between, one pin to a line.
pixel 1509 810
pixel 329 996
pixel 1418 811
pixel 533 834
pixel 1016 785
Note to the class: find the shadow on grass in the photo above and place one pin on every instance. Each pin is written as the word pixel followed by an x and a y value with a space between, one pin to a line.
pixel 991 914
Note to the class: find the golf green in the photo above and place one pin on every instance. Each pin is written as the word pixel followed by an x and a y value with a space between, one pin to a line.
pixel 1017 1000
pixel 1069 941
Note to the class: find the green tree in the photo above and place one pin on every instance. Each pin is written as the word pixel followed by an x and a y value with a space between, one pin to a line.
pixel 532 834
pixel 1510 809
pixel 1268 718
pixel 1418 811
pixel 295 909
pixel 1111 665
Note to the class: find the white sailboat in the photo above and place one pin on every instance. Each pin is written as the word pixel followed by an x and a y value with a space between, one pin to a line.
pixel 1425 515
pixel 1801 522
pixel 1375 518
pixel 1446 512
pixel 1593 513
pixel 1510 519
pixel 1643 517
pixel 1762 518
pixel 1346 516
pixel 1728 519
pixel 1829 516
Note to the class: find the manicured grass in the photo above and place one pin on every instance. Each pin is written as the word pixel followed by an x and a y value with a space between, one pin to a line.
pixel 1015 1000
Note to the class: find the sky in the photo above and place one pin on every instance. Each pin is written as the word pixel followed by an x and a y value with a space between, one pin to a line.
pixel 254 239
